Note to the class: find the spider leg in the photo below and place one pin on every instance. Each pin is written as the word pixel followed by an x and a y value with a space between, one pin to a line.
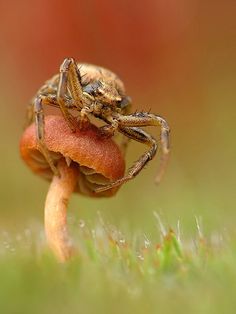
pixel 140 136
pixel 83 119
pixel 40 133
pixel 126 140
pixel 142 119
pixel 49 100
pixel 109 129
pixel 69 82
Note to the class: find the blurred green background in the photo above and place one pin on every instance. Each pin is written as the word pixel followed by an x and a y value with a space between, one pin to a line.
pixel 175 57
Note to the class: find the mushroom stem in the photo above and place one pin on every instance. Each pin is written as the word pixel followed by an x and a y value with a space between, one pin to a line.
pixel 56 210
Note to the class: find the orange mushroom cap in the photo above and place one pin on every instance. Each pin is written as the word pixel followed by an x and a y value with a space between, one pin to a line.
pixel 99 159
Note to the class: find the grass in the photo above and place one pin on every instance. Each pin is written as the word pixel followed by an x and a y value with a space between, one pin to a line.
pixel 117 273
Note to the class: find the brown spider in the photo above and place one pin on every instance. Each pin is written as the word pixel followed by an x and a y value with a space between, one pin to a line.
pixel 94 90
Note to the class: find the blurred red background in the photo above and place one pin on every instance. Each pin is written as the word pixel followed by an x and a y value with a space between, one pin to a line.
pixel 163 49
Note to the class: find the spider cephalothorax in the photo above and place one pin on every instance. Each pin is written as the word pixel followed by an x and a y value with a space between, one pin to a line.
pixel 102 84
pixel 93 90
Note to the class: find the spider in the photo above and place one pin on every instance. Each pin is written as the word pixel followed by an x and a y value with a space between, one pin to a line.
pixel 94 90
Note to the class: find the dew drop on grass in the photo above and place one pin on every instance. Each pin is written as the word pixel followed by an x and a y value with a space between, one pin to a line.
pixel 140 257
pixel 93 233
pixel 147 242
pixel 122 241
pixel 81 223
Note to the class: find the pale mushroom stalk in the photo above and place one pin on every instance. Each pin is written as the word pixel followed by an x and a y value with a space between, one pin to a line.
pixel 55 211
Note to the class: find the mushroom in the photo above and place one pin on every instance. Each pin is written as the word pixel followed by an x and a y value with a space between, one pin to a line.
pixel 85 160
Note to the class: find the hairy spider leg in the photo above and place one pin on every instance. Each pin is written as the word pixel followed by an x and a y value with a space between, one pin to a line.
pixel 69 82
pixel 140 136
pixel 40 132
pixel 125 140
pixel 142 119
pixel 112 125
pixel 49 100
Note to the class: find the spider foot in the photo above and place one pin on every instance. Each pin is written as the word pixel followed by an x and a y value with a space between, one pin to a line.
pixel 110 186
pixel 107 131
pixel 83 123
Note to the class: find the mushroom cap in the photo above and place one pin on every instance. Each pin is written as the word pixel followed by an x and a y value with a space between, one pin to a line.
pixel 99 159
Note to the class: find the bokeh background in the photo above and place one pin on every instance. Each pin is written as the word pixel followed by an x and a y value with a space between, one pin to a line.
pixel 175 57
